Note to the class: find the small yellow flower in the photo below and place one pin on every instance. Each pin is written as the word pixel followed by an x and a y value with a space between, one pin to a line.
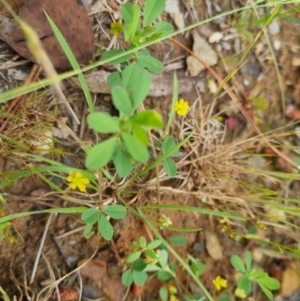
pixel 116 28
pixel 164 221
pixel 172 289
pixel 181 107
pixel 240 293
pixel 219 282
pixel 173 298
pixel 261 226
pixel 77 180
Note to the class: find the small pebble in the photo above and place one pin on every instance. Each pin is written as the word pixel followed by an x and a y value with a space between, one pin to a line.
pixel 259 48
pixel 297 131
pixel 295 61
pixel 37 192
pixel 215 37
pixel 257 255
pixel 57 181
pixel 198 247
pixel 71 260
pixel 289 109
pixel 213 246
pixel 293 297
pixel 204 51
pixel 218 48
pixel 88 291
pixel 227 46
pixel 274 27
pixel 116 15
pixel 17 74
pixel 246 82
pixel 173 8
pixel 107 98
pixel 253 69
pixel 237 45
pixel 213 88
pixel 277 45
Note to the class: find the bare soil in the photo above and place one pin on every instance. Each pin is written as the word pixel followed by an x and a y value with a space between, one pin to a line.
pixel 64 248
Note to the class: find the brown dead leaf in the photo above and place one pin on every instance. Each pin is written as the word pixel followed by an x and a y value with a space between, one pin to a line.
pixel 14 4
pixel 290 280
pixel 70 17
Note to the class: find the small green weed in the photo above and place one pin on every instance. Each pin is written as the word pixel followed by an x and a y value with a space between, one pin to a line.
pixel 128 144
pixel 250 275
pixel 168 163
pixel 99 216
pixel 197 266
pixel 148 258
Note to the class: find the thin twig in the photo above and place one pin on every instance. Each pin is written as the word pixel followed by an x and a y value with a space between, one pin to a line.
pixel 52 276
pixel 37 259
pixel 83 122
pixel 64 277
pixel 15 280
pixel 115 250
pixel 26 287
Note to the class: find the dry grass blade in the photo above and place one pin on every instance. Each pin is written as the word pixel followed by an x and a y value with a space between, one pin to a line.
pixel 19 101
pixel 238 104
pixel 38 255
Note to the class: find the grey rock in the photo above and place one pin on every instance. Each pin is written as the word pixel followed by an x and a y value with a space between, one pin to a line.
pixel 295 296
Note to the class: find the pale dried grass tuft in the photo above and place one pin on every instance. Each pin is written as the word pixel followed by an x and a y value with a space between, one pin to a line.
pixel 219 174
pixel 31 121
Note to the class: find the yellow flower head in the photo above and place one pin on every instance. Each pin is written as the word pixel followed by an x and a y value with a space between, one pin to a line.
pixel 173 298
pixel 164 221
pixel 219 282
pixel 116 28
pixel 261 226
pixel 77 180
pixel 181 107
pixel 172 289
pixel 240 293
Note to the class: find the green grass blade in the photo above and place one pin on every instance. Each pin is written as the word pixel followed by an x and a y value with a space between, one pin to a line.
pixel 172 111
pixel 8 95
pixel 52 210
pixel 63 43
